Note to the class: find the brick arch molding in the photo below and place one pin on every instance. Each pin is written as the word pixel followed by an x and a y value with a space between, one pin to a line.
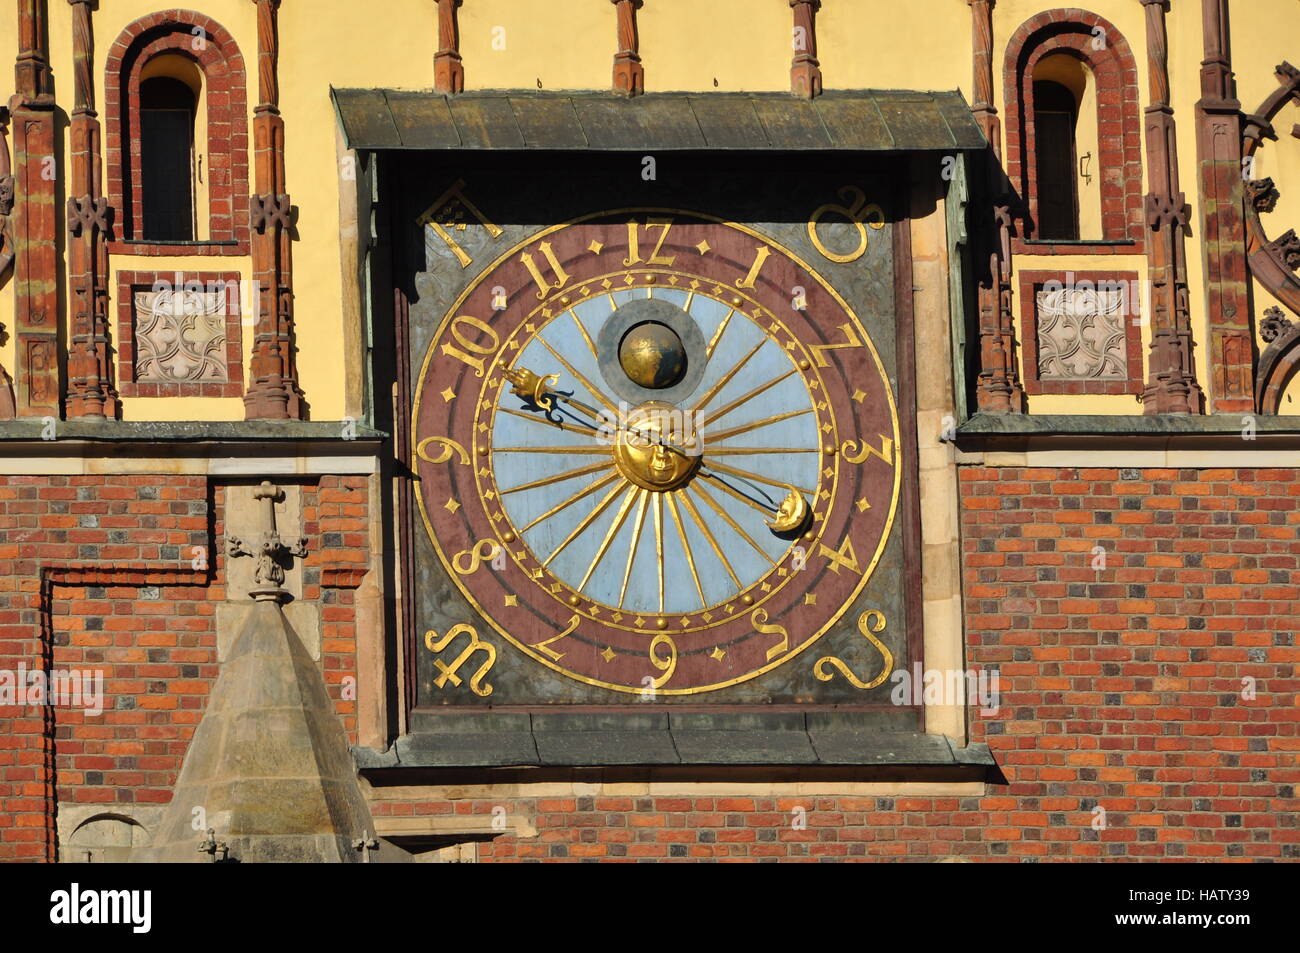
pixel 1104 50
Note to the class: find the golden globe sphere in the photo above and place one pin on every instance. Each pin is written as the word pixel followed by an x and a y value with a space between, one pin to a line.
pixel 652 356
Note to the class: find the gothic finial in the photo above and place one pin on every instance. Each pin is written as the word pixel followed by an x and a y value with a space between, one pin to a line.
pixel 273 555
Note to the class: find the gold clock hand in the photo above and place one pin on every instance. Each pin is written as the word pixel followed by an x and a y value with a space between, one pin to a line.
pixel 790 514
pixel 532 388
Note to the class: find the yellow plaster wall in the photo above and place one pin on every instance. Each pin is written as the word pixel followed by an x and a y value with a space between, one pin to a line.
pixel 742 44
pixel 563 44
pixel 917 44
pixel 399 48
pixel 685 44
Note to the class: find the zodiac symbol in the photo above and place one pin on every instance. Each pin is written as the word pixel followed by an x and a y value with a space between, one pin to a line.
pixel 483 549
pixel 857 212
pixel 757 618
pixel 475 644
pixel 866 627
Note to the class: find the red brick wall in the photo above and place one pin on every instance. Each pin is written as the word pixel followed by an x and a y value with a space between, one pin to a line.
pixel 1120 686
pixel 99 572
pixel 1120 689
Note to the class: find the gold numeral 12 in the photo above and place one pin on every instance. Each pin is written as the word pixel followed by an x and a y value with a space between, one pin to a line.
pixel 634 244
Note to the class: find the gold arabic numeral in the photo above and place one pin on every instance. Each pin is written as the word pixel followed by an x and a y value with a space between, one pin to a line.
pixel 666 665
pixel 869 623
pixel 449 447
pixel 545 287
pixel 436 643
pixel 853 341
pixel 634 243
pixel 545 645
pixel 484 549
pixel 844 556
pixel 757 618
pixel 467 348
pixel 852 453
pixel 762 253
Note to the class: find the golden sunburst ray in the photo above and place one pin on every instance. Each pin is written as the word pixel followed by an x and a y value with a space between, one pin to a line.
pixel 717 335
pixel 767 511
pixel 686 547
pixel 708 534
pixel 610 534
pixel 557 424
pixel 712 392
pixel 582 329
pixel 581 494
pixel 659 544
pixel 746 428
pixel 588 520
pixel 595 391
pixel 757 477
pixel 576 448
pixel 636 539
pixel 730 521
pixel 745 398
pixel 733 451
pixel 558 478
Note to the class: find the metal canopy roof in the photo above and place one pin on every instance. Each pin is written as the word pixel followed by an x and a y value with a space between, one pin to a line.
pixel 857 120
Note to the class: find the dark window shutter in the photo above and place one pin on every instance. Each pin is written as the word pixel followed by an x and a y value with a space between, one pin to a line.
pixel 166 160
pixel 1055 162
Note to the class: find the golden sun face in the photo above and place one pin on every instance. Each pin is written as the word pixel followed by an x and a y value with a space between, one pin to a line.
pixel 657 451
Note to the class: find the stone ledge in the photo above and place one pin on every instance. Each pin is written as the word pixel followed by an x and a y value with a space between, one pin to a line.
pixel 29 429
pixel 563 740
pixel 1114 425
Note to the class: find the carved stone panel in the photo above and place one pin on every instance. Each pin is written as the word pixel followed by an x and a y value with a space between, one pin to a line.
pixel 180 334
pixel 1081 332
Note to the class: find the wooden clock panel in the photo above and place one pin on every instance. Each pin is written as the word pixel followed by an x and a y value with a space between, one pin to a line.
pixel 659 458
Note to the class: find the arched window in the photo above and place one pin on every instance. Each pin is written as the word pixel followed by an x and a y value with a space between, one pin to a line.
pixel 1073 132
pixel 167 159
pixel 176 137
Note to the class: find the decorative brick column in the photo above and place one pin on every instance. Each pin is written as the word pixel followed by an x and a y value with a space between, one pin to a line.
pixel 6 198
pixel 448 73
pixel 805 69
pixel 35 220
pixel 1171 378
pixel 90 386
pixel 273 392
pixel 998 389
pixel 6 251
pixel 1218 153
pixel 629 75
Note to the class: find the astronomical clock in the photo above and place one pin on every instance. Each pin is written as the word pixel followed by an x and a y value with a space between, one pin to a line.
pixel 658 437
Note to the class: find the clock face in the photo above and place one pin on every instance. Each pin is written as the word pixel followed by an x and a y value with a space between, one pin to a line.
pixel 656 451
